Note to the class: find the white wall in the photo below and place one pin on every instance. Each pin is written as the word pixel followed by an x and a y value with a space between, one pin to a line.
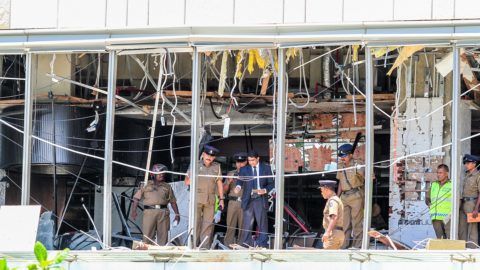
pixel 158 13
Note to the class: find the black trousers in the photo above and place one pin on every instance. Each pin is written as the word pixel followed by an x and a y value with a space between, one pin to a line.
pixel 255 211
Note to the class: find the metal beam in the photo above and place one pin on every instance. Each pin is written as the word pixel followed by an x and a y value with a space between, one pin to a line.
pixel 456 145
pixel 107 167
pixel 27 134
pixel 194 151
pixel 280 149
pixel 154 125
pixel 369 143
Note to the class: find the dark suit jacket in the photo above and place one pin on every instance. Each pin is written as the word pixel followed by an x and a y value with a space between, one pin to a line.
pixel 247 186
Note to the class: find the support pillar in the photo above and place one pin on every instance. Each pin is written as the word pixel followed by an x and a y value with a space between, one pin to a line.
pixel 109 132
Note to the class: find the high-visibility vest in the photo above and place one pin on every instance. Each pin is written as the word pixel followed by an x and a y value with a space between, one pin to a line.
pixel 441 200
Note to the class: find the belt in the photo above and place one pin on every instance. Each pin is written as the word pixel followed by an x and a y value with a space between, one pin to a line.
pixel 156 206
pixel 255 196
pixel 466 199
pixel 351 191
pixel 234 198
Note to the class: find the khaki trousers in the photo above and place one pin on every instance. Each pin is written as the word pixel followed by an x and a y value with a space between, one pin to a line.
pixel 442 230
pixel 467 231
pixel 353 219
pixel 205 214
pixel 234 222
pixel 335 241
pixel 156 220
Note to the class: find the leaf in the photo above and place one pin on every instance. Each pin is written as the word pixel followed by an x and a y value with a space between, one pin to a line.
pixel 3 264
pixel 32 266
pixel 61 256
pixel 40 252
pixel 46 264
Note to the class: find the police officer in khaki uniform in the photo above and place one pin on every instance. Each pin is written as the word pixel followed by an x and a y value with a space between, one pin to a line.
pixel 334 236
pixel 470 200
pixel 351 192
pixel 207 187
pixel 156 196
pixel 234 209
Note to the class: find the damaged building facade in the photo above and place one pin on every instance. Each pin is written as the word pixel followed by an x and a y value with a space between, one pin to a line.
pixel 89 105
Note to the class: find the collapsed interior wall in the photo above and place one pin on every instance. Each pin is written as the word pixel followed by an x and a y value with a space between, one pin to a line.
pixel 416 130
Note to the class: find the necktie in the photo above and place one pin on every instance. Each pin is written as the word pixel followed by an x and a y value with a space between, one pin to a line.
pixel 255 175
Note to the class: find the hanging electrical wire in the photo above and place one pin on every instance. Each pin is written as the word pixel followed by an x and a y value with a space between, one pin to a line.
pixel 304 77
pixel 174 118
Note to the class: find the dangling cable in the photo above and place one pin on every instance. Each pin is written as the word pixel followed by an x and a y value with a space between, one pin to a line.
pixel 303 78
pixel 237 70
pixel 173 108
pixel 274 118
pixel 163 73
pixel 97 79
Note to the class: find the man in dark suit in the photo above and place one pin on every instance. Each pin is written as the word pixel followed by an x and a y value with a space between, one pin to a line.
pixel 254 198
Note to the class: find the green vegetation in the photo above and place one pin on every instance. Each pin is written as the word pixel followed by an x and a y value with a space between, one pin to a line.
pixel 43 262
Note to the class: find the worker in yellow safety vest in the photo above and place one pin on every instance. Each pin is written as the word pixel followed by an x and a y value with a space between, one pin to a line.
pixel 439 200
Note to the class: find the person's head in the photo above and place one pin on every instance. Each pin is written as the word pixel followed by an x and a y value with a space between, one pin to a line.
pixel 156 169
pixel 470 162
pixel 442 172
pixel 345 153
pixel 240 160
pixel 327 188
pixel 209 154
pixel 253 158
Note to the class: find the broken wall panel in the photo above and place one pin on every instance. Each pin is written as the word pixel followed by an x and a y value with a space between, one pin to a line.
pixel 410 218
pixel 319 157
pixel 350 120
pixel 293 159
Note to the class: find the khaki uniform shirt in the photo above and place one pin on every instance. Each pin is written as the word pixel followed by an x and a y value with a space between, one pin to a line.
pixel 471 185
pixel 207 185
pixel 334 206
pixel 233 184
pixel 152 194
pixel 355 177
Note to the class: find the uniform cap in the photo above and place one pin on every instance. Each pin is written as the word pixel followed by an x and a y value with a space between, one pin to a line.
pixel 327 183
pixel 240 157
pixel 345 150
pixel 212 151
pixel 470 158
pixel 159 168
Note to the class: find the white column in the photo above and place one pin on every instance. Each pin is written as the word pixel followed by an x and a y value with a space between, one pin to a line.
pixel 27 132
pixel 194 151
pixel 280 149
pixel 107 167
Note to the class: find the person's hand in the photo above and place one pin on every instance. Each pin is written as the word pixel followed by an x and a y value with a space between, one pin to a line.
pixel 237 190
pixel 326 235
pixel 133 215
pixel 221 204
pixel 261 191
pixel 475 213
